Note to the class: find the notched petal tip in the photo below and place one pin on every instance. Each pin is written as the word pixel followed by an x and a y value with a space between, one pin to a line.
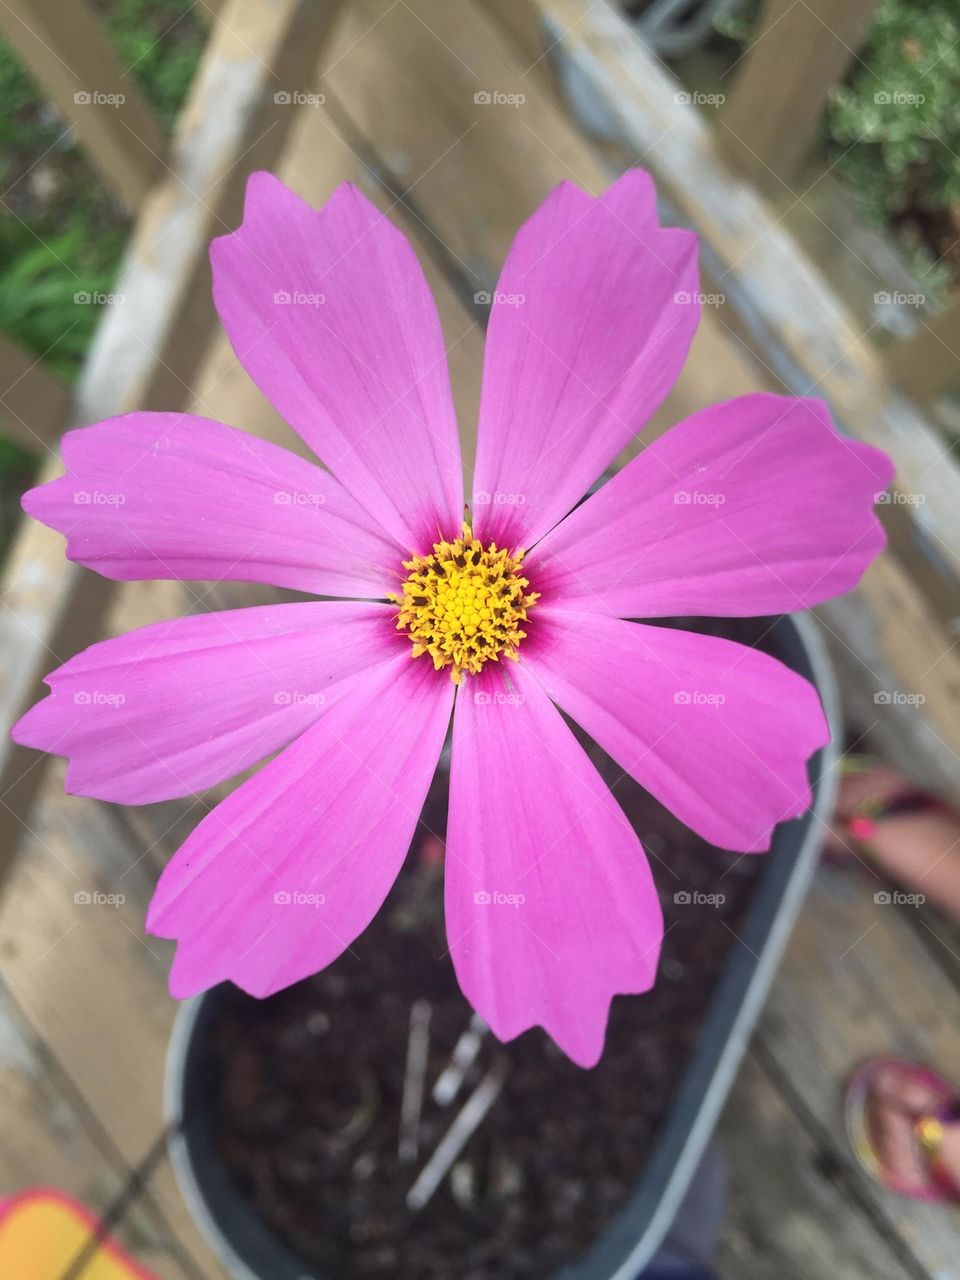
pixel 33 729
pixel 560 913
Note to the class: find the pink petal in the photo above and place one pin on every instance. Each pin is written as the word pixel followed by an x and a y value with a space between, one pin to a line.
pixel 588 331
pixel 551 907
pixel 178 706
pixel 283 875
pixel 718 732
pixel 754 506
pixel 167 495
pixel 331 316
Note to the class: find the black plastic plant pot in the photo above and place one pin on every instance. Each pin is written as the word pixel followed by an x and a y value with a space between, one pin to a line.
pixel 251 1250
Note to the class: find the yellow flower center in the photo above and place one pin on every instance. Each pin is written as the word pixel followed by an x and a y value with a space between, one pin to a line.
pixel 464 604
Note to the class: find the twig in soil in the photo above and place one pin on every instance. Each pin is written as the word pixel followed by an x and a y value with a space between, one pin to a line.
pixel 457 1136
pixel 464 1055
pixel 418 1044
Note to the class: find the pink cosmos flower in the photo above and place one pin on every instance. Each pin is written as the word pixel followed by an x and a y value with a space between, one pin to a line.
pixel 756 506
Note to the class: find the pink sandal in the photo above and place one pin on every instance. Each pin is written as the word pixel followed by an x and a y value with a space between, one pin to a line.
pixel 927 1125
pixel 860 827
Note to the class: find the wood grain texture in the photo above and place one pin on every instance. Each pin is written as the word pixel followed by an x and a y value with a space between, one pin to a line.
pixel 779 312
pixel 792 1215
pixel 68 52
pixel 798 53
pixel 148 348
pixel 33 401
pixel 459 176
pixel 928 362
pixel 858 982
pixel 92 986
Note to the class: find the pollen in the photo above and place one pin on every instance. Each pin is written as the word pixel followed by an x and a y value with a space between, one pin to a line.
pixel 465 604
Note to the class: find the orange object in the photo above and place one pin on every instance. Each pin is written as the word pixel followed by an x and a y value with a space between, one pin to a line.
pixel 42 1232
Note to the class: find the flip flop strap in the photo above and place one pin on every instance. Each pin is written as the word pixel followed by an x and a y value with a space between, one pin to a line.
pixel 930 1133
pixel 862 825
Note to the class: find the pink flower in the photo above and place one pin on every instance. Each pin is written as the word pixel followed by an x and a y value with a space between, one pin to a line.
pixel 756 506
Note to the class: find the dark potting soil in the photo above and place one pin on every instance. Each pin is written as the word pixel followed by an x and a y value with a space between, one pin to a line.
pixel 309 1082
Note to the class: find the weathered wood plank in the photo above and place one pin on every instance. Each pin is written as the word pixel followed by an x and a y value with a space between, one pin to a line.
pixel 83 974
pixel 33 401
pixel 147 349
pixel 525 151
pixel 790 1216
pixel 779 307
pixel 928 362
pixel 798 326
pixel 799 1232
pixel 64 48
pixel 50 1140
pixel 856 983
pixel 797 55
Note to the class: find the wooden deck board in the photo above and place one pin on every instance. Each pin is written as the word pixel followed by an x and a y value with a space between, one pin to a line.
pixel 458 177
pixel 93 987
pixel 858 983
pixel 799 328
pixel 789 1217
pixel 50 1140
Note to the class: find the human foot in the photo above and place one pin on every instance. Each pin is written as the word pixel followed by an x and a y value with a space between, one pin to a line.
pixel 904 1125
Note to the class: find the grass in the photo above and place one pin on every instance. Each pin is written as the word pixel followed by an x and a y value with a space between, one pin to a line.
pixel 62 232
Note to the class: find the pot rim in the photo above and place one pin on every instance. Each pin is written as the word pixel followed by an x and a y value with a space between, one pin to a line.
pixel 754 992
pixel 611 1256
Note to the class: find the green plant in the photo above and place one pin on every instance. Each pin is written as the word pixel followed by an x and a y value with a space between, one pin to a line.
pixel 45 286
pixel 61 231
pixel 892 131
pixel 895 125
pixel 161 41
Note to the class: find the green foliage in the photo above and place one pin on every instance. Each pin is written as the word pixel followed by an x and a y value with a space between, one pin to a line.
pixel 161 41
pixel 895 126
pixel 61 231
pixel 892 130
pixel 39 284
pixel 738 22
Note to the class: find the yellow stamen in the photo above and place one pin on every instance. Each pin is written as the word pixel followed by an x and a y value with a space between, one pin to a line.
pixel 464 604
